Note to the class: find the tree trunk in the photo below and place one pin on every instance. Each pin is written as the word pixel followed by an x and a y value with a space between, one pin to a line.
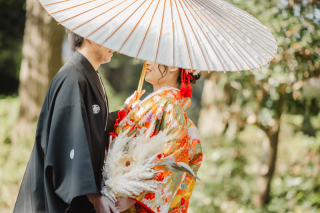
pixel 270 148
pixel 267 169
pixel 42 46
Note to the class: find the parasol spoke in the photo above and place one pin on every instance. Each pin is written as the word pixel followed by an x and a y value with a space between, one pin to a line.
pixel 71 7
pixel 248 25
pixel 217 11
pixel 184 34
pixel 246 16
pixel 215 37
pixel 200 34
pixel 148 28
pixel 84 11
pixel 125 21
pixel 204 33
pixel 54 3
pixel 172 32
pixel 164 6
pixel 135 26
pixel 195 36
pixel 230 43
pixel 112 18
pixel 97 16
pixel 245 42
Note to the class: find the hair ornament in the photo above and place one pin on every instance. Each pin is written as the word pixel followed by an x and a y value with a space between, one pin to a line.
pixel 185 88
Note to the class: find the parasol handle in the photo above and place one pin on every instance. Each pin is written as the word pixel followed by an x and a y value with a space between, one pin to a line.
pixel 143 73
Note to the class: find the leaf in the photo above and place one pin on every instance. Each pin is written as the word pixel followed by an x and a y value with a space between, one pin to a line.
pixel 177 167
pixel 164 162
pixel 187 167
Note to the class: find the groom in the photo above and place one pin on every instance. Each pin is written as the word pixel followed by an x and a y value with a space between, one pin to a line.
pixel 64 171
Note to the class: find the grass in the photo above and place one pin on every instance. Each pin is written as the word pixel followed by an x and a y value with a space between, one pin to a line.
pixel 228 173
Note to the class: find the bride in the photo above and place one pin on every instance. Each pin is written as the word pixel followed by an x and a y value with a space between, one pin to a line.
pixel 161 113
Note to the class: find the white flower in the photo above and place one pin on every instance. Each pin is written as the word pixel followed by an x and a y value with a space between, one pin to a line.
pixel 130 123
pixel 125 120
pixel 159 112
pixel 171 95
pixel 156 98
pixel 168 108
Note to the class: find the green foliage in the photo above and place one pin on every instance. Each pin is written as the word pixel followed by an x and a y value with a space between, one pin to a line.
pixel 230 168
pixel 283 95
pixel 13 158
pixel 12 14
pixel 294 25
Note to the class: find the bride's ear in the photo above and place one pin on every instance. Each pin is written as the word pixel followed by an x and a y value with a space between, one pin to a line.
pixel 173 69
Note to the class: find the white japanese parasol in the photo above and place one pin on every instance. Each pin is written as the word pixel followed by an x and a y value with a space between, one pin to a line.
pixel 209 35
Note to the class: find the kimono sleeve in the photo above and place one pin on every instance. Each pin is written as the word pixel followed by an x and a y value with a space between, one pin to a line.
pixel 171 117
pixel 68 171
pixel 180 202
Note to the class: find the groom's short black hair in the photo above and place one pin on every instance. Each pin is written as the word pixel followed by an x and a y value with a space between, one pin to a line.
pixel 74 40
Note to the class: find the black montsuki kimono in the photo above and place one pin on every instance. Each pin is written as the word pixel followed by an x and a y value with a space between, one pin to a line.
pixel 67 157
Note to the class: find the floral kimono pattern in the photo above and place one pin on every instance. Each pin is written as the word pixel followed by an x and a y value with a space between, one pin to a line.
pixel 165 110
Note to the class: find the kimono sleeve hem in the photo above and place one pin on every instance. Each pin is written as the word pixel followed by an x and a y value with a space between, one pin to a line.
pixel 143 206
pixel 78 200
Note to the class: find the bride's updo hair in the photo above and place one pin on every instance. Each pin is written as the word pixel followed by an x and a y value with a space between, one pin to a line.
pixel 164 72
pixel 194 77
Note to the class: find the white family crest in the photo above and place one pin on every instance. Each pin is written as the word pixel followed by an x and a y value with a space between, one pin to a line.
pixel 72 154
pixel 96 109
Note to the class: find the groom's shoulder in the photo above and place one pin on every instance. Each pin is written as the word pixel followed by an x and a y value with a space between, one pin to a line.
pixel 69 74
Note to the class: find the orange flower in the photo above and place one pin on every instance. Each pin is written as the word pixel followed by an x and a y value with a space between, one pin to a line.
pixel 150 196
pixel 183 201
pixel 159 176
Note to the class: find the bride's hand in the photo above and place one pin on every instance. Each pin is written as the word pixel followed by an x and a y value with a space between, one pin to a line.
pixel 124 203
pixel 128 104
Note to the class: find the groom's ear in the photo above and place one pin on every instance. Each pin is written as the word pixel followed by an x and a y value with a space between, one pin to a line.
pixel 173 69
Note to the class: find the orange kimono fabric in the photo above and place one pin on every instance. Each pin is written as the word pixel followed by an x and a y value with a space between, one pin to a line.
pixel 165 110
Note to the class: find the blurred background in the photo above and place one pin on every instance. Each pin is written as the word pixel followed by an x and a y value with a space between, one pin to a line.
pixel 260 131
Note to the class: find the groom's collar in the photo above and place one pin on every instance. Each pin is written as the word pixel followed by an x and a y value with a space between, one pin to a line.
pixel 79 57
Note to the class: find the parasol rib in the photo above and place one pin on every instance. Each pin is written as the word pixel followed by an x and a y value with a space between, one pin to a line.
pixel 230 44
pixel 215 37
pixel 204 33
pixel 172 32
pixel 164 6
pixel 195 36
pixel 135 26
pixel 240 30
pixel 247 37
pixel 85 11
pixel 209 34
pixel 125 21
pixel 184 34
pixel 252 29
pixel 71 7
pixel 97 16
pixel 257 26
pixel 54 3
pixel 245 42
pixel 235 10
pixel 148 28
pixel 111 18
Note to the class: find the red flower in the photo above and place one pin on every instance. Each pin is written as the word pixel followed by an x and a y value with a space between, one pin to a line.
pixel 183 201
pixel 158 209
pixel 121 115
pixel 150 196
pixel 159 176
